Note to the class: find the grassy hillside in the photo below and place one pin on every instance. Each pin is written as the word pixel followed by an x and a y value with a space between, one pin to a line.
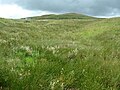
pixel 62 16
pixel 65 54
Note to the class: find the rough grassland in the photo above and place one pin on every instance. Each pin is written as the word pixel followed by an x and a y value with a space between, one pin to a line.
pixel 67 54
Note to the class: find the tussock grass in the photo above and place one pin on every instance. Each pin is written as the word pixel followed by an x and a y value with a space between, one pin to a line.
pixel 65 54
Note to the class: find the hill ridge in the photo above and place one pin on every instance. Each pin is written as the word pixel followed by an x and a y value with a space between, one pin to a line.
pixel 62 16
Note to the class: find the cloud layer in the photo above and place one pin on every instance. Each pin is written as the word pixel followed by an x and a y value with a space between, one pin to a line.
pixel 15 11
pixel 90 7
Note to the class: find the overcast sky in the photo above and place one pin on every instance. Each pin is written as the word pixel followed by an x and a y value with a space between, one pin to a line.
pixel 26 8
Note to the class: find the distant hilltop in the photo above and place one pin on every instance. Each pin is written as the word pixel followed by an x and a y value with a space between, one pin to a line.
pixel 61 16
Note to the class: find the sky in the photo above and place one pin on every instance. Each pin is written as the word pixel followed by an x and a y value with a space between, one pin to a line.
pixel 27 8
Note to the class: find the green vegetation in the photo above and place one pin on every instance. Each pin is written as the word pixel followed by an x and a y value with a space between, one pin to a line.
pixel 62 54
pixel 62 16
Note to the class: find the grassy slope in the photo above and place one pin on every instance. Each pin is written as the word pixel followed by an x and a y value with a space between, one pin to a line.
pixel 80 54
pixel 62 16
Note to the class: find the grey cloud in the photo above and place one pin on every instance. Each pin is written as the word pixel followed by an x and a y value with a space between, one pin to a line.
pixel 8 1
pixel 90 7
